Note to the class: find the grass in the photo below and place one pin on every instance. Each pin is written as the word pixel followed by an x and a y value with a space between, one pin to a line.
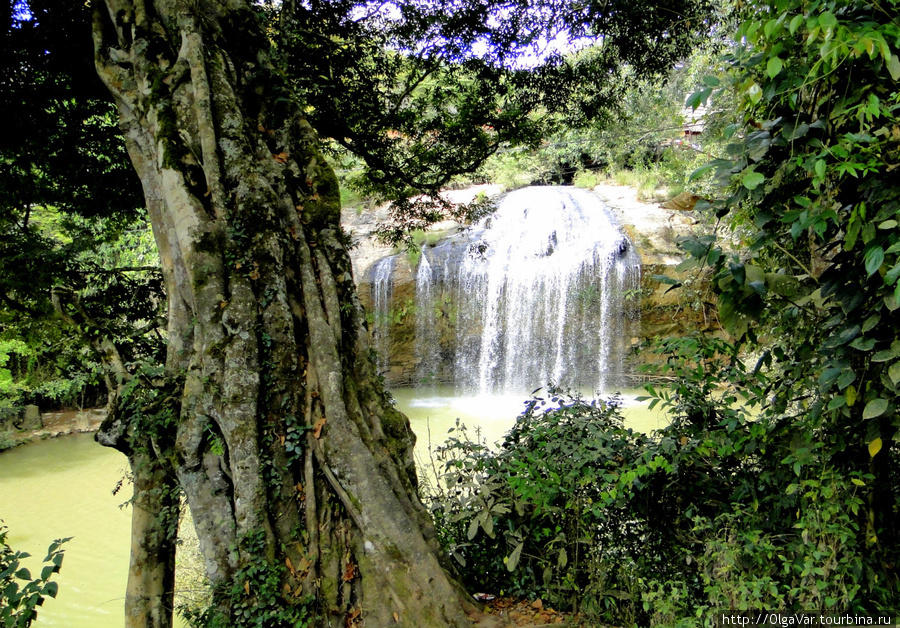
pixel 652 184
pixel 586 179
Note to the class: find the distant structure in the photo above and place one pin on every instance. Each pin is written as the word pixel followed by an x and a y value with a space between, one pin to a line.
pixel 694 120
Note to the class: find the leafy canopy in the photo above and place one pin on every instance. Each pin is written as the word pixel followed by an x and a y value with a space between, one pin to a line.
pixel 429 90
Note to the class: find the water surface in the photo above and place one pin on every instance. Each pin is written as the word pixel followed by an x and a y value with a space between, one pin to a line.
pixel 434 411
pixel 64 487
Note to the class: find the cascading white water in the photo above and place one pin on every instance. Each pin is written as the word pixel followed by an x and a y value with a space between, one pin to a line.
pixel 427 340
pixel 534 294
pixel 549 291
pixel 382 296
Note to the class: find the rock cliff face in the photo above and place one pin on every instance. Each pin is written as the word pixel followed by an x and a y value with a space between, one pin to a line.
pixel 399 312
pixel 654 230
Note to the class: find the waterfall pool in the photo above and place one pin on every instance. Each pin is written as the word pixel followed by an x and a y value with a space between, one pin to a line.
pixel 435 410
pixel 60 488
pixel 64 487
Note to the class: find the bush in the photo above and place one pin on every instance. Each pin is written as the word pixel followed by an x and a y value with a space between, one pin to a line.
pixel 543 517
pixel 586 179
pixel 20 594
pixel 730 506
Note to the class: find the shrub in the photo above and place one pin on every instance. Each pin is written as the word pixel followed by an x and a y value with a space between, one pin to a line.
pixel 730 506
pixel 20 594
pixel 586 179
pixel 543 517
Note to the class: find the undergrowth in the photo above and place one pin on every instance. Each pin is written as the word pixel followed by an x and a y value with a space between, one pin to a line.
pixel 726 508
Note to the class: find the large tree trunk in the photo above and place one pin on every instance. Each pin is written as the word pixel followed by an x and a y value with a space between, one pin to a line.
pixel 296 467
pixel 150 593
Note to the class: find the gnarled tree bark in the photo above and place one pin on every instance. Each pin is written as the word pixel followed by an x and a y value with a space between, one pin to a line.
pixel 284 433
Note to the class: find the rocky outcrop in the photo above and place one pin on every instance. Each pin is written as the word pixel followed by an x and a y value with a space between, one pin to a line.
pixel 654 230
pixel 31 419
pixel 29 423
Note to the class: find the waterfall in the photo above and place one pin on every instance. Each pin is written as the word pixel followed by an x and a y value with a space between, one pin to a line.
pixel 535 293
pixel 382 297
pixel 427 341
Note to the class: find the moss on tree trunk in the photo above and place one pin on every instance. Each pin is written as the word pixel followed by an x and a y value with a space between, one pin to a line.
pixel 293 461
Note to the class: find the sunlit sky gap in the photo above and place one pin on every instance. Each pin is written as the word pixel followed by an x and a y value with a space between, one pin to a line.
pixel 529 52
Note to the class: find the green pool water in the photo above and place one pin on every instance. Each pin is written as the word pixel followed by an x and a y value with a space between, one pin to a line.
pixel 64 487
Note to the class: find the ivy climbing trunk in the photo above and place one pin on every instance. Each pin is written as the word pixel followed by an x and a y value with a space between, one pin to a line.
pixel 297 469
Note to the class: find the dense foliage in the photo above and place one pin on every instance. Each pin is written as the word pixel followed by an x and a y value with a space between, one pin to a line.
pixel 70 217
pixel 724 508
pixel 20 593
pixel 776 486
pixel 814 199
pixel 430 91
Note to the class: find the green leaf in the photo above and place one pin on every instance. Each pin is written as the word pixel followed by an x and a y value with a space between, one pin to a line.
pixel 890 277
pixel 664 279
pixel 828 376
pixel 795 23
pixel 894 373
pixel 754 273
pixel 699 172
pixel 698 98
pixel 875 408
pixel 50 589
pixel 845 379
pixel 758 287
pixel 783 285
pixel 874 258
pixel 884 356
pixel 695 247
pixel 774 66
pixel 513 560
pixel 870 323
pixel 863 344
pixel 711 81
pixel 752 180
pixel 820 168
pixel 473 529
pixel 893 66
